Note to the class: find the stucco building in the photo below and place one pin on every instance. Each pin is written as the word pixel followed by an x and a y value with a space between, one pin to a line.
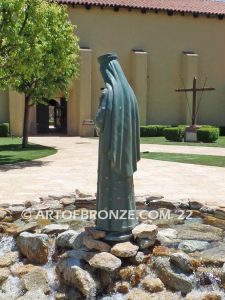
pixel 161 46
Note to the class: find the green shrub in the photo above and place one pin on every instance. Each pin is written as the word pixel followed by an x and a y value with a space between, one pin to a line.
pixel 175 134
pixel 149 130
pixel 222 130
pixel 4 129
pixel 153 130
pixel 208 135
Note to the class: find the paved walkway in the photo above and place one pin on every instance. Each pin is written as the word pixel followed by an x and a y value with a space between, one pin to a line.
pixel 75 167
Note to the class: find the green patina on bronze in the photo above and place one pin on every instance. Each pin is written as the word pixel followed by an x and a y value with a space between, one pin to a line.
pixel 117 123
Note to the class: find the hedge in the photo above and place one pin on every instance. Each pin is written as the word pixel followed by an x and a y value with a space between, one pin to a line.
pixel 153 130
pixel 208 135
pixel 4 130
pixel 175 134
pixel 222 130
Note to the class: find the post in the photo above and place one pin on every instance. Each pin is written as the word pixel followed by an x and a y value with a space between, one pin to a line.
pixel 194 108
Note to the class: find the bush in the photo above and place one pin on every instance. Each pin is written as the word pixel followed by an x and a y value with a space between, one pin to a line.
pixel 4 130
pixel 175 134
pixel 153 130
pixel 222 130
pixel 208 135
pixel 149 130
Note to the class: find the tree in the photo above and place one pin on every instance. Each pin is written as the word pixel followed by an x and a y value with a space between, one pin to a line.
pixel 39 51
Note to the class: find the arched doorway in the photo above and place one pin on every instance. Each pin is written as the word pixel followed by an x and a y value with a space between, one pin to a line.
pixel 52 116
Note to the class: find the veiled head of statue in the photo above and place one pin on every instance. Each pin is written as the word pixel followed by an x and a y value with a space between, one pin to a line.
pixel 110 68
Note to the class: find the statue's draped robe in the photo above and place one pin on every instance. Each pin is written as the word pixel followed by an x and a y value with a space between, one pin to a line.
pixel 117 123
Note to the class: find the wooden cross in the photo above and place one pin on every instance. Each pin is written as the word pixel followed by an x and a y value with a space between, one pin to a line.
pixel 194 91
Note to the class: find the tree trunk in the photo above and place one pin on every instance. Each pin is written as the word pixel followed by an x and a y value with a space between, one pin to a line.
pixel 26 121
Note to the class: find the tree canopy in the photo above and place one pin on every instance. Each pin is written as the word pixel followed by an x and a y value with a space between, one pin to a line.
pixel 39 50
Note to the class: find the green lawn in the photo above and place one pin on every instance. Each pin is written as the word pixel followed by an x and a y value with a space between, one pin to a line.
pixel 11 152
pixel 163 141
pixel 207 160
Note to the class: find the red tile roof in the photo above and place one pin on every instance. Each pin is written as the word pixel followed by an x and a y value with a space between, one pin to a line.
pixel 210 7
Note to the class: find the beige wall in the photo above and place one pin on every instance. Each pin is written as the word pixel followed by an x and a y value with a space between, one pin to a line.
pixel 164 38
pixel 154 75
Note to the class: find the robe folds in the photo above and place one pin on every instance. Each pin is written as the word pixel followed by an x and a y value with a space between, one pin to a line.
pixel 117 123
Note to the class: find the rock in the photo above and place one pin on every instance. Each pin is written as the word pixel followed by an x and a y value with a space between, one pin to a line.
pixel 95 233
pixel 36 279
pixel 70 239
pixel 213 255
pixel 16 210
pixel 4 274
pixel 37 294
pixel 145 231
pixel 162 251
pixel 139 258
pixel 88 203
pixel 122 287
pixel 152 197
pixel 173 277
pixel 8 259
pixel 138 294
pixel 124 249
pixel 223 274
pixel 34 247
pixel 3 214
pixel 192 246
pixel 92 244
pixel 55 228
pixel 195 205
pixel 105 261
pixel 152 285
pixel 47 204
pixel 29 203
pixel 74 276
pixel 182 261
pixel 200 232
pixel 219 213
pixel 145 243
pixel 79 254
pixel 67 201
pixel 208 275
pixel 167 236
pixel 22 228
pixel 20 270
pixel 126 272
pixel 196 295
pixel 215 221
pixel 107 280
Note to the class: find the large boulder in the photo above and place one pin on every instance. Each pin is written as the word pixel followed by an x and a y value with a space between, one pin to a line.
pixel 93 244
pixel 36 279
pixel 172 276
pixel 37 294
pixel 126 249
pixel 200 232
pixel 73 275
pixel 70 239
pixel 152 285
pixel 34 247
pixel 4 274
pixel 145 231
pixel 8 259
pixel 55 228
pixel 105 261
pixel 182 260
pixel 192 245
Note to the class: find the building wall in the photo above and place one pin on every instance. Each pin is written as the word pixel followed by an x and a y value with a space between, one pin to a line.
pixel 164 38
pixel 155 75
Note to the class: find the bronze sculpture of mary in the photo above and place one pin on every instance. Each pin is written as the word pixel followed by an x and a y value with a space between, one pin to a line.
pixel 117 123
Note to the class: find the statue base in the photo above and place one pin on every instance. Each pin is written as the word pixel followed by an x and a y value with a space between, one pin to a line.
pixel 118 236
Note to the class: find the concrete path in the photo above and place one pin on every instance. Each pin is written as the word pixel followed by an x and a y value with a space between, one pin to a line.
pixel 75 167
